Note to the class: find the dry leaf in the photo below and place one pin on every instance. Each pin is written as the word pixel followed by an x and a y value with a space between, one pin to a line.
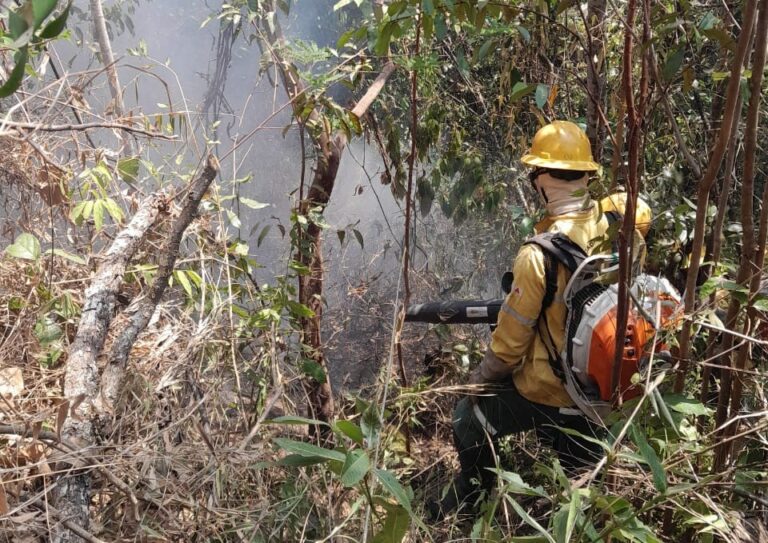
pixel 11 381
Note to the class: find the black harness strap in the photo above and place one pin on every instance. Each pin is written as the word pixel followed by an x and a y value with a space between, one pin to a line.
pixel 556 247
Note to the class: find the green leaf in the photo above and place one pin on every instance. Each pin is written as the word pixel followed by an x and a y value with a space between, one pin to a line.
pixel 292 419
pixel 351 430
pixel 63 254
pixel 524 33
pixel 181 277
pixel 528 519
pixel 128 168
pixel 17 74
pixel 686 406
pixel 98 214
pixel 263 234
pixel 42 9
pixel 565 519
pixel 542 95
pixel 358 237
pixel 47 331
pixel 308 450
pixel 516 485
pixel 395 526
pixel 650 457
pixel 55 27
pixel 520 90
pixel 113 209
pixel 428 7
pixel 17 23
pixel 25 246
pixel 356 467
pixel 253 204
pixel 298 461
pixel 234 220
pixel 393 486
pixel 313 370
pixel 673 63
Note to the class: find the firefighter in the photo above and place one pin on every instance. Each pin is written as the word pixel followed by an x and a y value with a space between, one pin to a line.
pixel 520 389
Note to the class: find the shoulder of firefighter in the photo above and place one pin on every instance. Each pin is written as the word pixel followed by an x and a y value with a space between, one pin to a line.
pixel 519 343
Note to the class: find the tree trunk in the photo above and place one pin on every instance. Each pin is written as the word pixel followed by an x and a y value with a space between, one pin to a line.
pixel 751 266
pixel 708 179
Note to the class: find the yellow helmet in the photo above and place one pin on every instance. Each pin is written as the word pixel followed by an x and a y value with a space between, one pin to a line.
pixel 561 145
pixel 618 202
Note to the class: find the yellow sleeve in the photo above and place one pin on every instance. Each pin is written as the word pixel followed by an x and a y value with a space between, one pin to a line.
pixel 516 328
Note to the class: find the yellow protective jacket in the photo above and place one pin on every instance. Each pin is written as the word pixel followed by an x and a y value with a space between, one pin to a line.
pixel 517 341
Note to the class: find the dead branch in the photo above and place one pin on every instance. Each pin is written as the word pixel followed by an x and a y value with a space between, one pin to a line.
pixel 114 373
pixel 81 126
pixel 81 377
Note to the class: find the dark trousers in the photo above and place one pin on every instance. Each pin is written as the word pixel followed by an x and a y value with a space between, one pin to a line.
pixel 507 412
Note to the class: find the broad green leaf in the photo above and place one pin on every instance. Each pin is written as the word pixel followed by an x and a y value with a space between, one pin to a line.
pixel 17 74
pixel 516 485
pixel 351 430
pixel 686 406
pixel 234 220
pixel 393 486
pixel 26 246
pixel 55 27
pixel 356 467
pixel 520 90
pixel 113 209
pixel 395 526
pixel 47 331
pixel 42 9
pixel 128 168
pixel 673 63
pixel 17 23
pixel 650 457
pixel 297 461
pixel 428 7
pixel 308 450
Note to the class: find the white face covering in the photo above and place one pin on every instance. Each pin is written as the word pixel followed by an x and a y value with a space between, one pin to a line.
pixel 561 197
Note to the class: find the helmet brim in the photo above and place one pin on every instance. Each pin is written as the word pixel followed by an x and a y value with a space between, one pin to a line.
pixel 576 165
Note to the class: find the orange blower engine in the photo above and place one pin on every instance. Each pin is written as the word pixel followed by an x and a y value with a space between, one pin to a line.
pixel 591 297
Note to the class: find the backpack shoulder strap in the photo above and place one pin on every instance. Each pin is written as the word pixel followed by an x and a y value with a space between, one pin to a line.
pixel 556 247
